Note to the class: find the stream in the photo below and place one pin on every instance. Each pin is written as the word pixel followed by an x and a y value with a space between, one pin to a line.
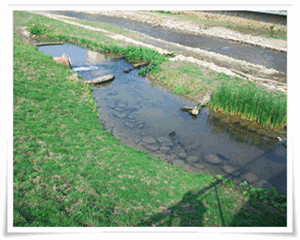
pixel 241 51
pixel 148 117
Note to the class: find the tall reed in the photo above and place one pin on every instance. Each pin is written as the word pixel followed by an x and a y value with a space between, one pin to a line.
pixel 251 103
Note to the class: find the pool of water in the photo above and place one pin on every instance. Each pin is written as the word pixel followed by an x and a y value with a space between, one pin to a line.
pixel 148 117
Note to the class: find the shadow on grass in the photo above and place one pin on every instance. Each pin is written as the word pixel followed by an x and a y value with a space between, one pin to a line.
pixel 188 212
pixel 191 209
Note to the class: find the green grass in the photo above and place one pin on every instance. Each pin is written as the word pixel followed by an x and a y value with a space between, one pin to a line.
pixel 252 103
pixel 68 171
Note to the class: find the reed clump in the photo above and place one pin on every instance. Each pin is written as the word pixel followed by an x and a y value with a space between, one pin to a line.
pixel 251 102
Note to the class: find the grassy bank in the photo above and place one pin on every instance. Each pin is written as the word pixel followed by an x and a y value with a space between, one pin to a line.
pixel 243 26
pixel 68 171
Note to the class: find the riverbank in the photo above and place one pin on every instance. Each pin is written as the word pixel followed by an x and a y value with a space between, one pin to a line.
pixel 68 171
pixel 268 35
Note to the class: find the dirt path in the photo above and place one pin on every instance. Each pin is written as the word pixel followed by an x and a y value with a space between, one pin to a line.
pixel 194 27
pixel 215 62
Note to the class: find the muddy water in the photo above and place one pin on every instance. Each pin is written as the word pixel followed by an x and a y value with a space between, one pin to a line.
pixel 253 54
pixel 149 118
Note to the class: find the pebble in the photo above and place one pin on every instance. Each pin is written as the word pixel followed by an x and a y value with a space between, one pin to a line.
pixel 213 159
pixel 167 144
pixel 262 131
pixel 192 159
pixel 118 109
pixel 129 124
pixel 178 162
pixel 164 149
pixel 149 140
pixel 152 147
pixel 197 165
pixel 230 170
pixel 189 168
pixel 119 115
pixel 163 139
pixel 244 123
pixel 250 177
pixel 182 154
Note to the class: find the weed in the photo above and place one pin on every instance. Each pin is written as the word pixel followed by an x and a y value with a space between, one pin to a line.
pixel 38 29
pixel 143 71
pixel 252 103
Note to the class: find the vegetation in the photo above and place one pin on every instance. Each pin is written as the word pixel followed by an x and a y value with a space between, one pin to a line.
pixel 38 29
pixel 68 171
pixel 166 12
pixel 252 103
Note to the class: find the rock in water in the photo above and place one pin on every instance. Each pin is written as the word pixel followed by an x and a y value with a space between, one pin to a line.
pixel 213 159
pixel 64 60
pixel 195 111
pixel 101 79
pixel 182 154
pixel 230 170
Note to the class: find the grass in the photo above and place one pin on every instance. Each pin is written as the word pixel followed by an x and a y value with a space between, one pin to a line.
pixel 68 171
pixel 252 103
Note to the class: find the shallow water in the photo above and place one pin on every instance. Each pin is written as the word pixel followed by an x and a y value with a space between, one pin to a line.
pixel 253 54
pixel 149 117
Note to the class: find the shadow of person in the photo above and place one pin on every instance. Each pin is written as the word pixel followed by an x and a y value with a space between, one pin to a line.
pixel 188 212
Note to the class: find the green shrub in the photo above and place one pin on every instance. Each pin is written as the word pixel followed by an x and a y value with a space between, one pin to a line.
pixel 38 29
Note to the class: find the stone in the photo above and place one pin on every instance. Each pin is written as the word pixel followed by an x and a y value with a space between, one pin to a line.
pixel 163 139
pixel 213 159
pixel 102 79
pixel 164 149
pixel 141 125
pixel 178 162
pixel 244 123
pixel 129 124
pixel 200 166
pixel 152 147
pixel 167 144
pixel 230 170
pixel 148 140
pixel 108 125
pixel 250 177
pixel 127 70
pixel 137 140
pixel 205 100
pixel 142 64
pixel 264 184
pixel 262 131
pixel 118 109
pixel 182 154
pixel 253 126
pixel 64 60
pixel 119 115
pixel 189 168
pixel 192 159
pixel 195 111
